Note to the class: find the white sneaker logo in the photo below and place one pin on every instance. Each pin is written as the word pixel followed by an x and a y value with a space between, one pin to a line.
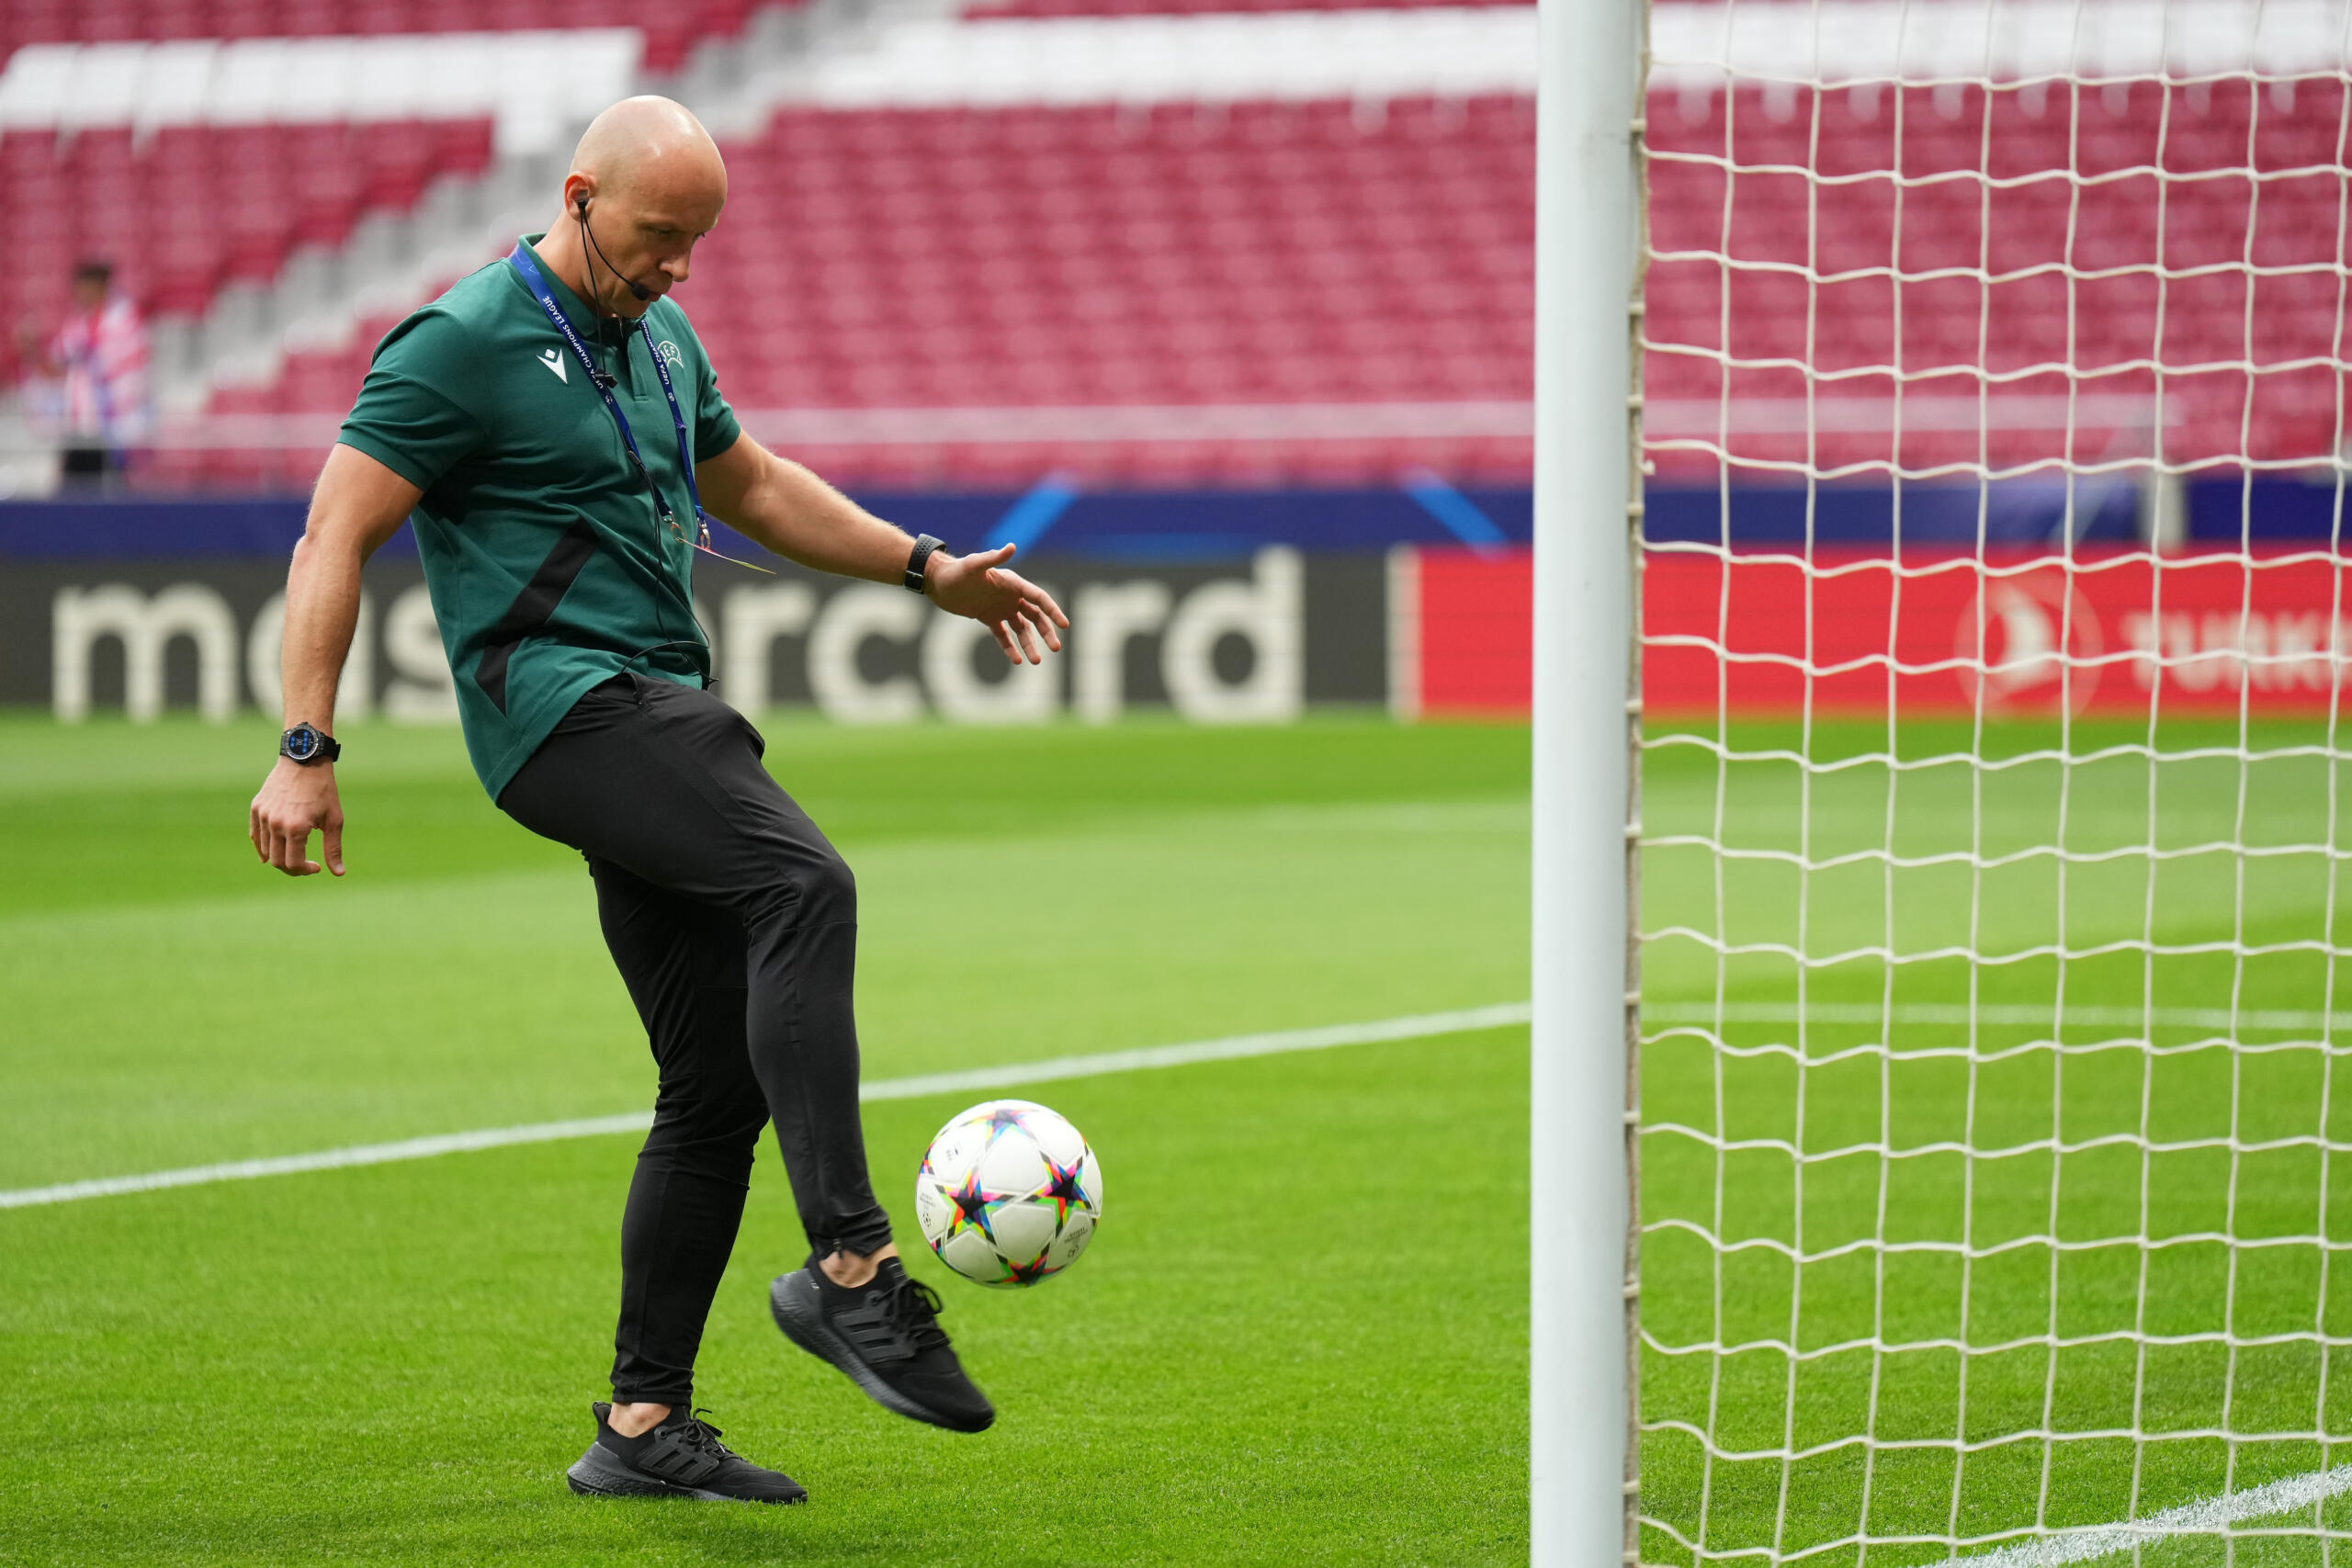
pixel 553 360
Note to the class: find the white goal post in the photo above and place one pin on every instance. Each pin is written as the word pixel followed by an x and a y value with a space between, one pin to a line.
pixel 1941 426
pixel 1587 733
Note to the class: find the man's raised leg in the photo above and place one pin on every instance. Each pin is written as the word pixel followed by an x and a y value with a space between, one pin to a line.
pixel 666 781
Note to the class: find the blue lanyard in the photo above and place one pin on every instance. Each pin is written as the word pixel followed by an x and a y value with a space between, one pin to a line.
pixel 520 258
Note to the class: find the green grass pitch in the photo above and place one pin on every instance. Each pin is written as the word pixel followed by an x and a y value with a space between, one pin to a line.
pixel 2005 1389
pixel 1301 1337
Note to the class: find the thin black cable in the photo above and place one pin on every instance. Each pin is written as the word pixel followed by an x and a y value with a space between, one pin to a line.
pixel 704 665
pixel 580 210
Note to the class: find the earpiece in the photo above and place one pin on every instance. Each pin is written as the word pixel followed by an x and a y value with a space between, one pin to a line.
pixel 580 210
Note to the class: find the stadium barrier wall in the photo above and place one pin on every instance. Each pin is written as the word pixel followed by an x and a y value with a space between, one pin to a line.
pixel 1420 509
pixel 1139 525
pixel 2270 628
pixel 1433 633
pixel 1253 642
pixel 1274 601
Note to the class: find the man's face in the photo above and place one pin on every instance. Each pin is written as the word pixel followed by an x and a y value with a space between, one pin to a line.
pixel 89 293
pixel 648 237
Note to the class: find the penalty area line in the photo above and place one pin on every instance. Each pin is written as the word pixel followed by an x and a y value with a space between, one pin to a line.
pixel 2206 1516
pixel 1011 1074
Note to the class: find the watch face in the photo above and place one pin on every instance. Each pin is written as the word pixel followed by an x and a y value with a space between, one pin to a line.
pixel 302 744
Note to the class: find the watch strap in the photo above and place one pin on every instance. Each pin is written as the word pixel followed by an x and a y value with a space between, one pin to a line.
pixel 924 544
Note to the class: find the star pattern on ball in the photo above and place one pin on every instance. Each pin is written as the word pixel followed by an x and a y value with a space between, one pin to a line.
pixel 975 1206
pixel 1028 1273
pixel 1064 1191
pixel 1007 1119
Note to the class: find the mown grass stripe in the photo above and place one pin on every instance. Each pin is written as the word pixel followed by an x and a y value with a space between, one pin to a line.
pixel 1010 1076
pixel 2200 1518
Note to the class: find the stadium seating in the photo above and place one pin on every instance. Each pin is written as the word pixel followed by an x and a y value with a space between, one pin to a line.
pixel 193 207
pixel 2136 271
pixel 1331 253
pixel 670 30
pixel 1270 254
pixel 219 188
pixel 986 9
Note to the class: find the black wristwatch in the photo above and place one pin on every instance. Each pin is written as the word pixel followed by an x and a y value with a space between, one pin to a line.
pixel 924 544
pixel 306 743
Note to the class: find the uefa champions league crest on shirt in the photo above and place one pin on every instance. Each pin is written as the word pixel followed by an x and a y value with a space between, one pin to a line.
pixel 673 353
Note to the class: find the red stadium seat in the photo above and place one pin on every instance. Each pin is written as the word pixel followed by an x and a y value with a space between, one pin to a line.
pixel 991 8
pixel 670 32
pixel 1040 256
pixel 191 208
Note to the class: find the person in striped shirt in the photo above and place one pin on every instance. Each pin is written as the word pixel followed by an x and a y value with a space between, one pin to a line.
pixel 97 360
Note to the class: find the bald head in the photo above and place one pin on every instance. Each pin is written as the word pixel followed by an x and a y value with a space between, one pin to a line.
pixel 653 145
pixel 650 182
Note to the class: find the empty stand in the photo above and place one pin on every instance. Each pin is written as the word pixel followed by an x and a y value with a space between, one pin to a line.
pixel 985 9
pixel 670 30
pixel 1329 252
pixel 1267 255
pixel 2191 256
pixel 190 209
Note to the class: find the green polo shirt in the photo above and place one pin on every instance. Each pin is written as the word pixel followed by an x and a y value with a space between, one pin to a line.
pixel 549 568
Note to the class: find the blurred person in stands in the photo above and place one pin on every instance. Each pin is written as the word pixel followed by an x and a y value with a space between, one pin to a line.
pixel 551 426
pixel 95 364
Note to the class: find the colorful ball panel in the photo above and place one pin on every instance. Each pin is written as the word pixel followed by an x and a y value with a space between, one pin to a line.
pixel 1009 1194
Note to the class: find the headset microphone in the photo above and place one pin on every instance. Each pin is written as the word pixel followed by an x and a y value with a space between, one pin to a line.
pixel 580 210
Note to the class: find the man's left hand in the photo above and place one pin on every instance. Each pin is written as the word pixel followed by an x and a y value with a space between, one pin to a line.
pixel 1018 611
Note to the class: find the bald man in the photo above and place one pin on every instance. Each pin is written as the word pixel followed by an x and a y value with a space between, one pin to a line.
pixel 553 429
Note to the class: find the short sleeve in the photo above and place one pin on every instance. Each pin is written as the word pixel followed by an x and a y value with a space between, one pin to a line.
pixel 715 425
pixel 406 418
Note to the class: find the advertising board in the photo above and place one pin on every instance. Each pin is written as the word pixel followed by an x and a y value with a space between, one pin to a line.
pixel 2101 633
pixel 1432 631
pixel 1250 641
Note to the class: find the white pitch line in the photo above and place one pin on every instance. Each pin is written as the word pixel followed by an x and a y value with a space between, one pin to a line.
pixel 1995 1013
pixel 1011 1075
pixel 2098 1540
pixel 327 1159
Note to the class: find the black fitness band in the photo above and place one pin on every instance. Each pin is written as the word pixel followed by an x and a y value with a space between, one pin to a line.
pixel 924 544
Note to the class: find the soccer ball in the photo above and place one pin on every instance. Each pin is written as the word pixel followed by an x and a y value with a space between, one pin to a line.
pixel 1010 1193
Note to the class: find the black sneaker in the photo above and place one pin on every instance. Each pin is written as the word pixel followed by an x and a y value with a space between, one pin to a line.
pixel 886 1336
pixel 680 1458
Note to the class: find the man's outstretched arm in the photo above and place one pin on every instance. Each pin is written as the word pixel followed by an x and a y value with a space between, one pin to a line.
pixel 790 511
pixel 358 504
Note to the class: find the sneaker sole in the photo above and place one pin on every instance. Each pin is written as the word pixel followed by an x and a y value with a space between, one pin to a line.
pixel 795 1313
pixel 600 1474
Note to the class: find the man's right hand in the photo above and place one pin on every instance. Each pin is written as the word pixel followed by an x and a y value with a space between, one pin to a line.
pixel 358 505
pixel 293 800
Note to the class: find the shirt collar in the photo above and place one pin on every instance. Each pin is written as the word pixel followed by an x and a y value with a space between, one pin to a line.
pixel 581 316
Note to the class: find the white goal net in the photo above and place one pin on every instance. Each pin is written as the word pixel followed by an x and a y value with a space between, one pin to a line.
pixel 1992 1195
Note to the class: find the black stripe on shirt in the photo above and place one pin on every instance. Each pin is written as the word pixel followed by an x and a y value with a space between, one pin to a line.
pixel 532 607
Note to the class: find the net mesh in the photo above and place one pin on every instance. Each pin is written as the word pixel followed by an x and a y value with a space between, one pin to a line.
pixel 1992 1176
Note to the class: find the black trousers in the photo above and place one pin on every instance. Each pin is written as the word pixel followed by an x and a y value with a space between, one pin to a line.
pixel 734 923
